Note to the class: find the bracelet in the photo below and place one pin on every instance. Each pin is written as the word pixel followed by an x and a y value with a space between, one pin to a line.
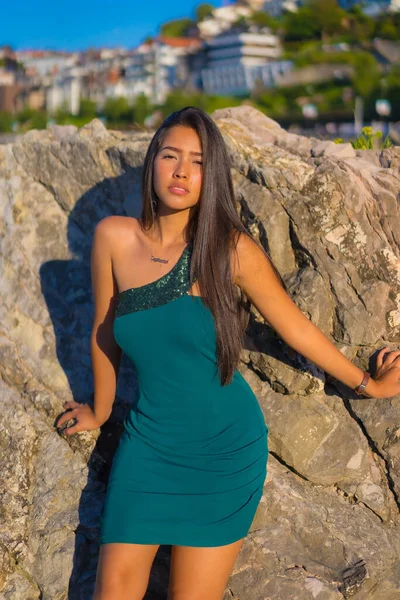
pixel 360 388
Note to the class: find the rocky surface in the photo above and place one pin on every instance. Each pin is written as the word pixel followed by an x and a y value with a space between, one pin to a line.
pixel 328 524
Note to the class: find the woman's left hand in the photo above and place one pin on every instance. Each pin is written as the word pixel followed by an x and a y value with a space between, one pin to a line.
pixel 387 376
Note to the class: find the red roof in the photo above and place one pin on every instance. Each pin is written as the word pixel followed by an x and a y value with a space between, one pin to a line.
pixel 179 42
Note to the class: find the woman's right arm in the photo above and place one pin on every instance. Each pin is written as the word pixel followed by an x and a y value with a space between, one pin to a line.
pixel 105 352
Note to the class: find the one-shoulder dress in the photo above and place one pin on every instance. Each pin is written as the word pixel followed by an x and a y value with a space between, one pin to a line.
pixel 192 459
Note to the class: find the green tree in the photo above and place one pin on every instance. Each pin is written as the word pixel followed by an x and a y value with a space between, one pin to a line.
pixel 39 120
pixel 6 120
pixel 25 114
pixel 117 109
pixel 387 28
pixel 367 76
pixel 300 25
pixel 177 27
pixel 362 27
pixel 141 109
pixel 328 16
pixel 203 11
pixel 212 103
pixel 316 20
pixel 87 108
pixel 263 19
pixel 178 99
pixel 61 115
pixel 241 23
pixel 273 103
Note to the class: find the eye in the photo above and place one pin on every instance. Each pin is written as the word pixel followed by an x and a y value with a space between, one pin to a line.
pixel 168 156
pixel 199 162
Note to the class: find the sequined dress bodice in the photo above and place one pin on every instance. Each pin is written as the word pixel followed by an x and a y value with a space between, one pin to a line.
pixel 170 286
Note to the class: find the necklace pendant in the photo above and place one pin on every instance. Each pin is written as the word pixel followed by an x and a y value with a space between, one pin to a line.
pixel 161 260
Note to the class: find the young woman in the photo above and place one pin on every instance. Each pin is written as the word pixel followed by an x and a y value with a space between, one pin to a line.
pixel 171 290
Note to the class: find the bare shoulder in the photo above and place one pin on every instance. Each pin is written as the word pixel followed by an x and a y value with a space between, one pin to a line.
pixel 115 231
pixel 247 256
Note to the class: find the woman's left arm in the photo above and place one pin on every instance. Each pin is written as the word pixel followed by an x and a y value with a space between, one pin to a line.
pixel 257 278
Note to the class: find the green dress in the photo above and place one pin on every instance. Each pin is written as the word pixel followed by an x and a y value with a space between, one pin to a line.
pixel 192 459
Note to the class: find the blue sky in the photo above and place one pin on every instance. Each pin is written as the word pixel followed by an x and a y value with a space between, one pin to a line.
pixel 76 25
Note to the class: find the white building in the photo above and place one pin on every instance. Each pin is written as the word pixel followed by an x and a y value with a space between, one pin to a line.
pixel 239 61
pixel 43 63
pixel 156 67
pixel 394 6
pixel 223 19
pixel 64 92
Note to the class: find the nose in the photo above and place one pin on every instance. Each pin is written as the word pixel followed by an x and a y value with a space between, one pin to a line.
pixel 181 171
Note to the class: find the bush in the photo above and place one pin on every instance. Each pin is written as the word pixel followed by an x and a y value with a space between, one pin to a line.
pixel 5 121
pixel 117 109
pixel 368 140
pixel 87 108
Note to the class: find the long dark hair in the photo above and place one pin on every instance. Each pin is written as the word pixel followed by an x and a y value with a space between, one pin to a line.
pixel 214 227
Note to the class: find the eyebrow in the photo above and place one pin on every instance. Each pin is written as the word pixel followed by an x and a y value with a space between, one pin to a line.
pixel 179 150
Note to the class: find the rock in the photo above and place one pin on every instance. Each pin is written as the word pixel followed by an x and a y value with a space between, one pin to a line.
pixel 332 149
pixel 328 523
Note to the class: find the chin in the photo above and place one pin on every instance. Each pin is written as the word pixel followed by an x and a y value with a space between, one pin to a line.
pixel 177 202
pixel 176 206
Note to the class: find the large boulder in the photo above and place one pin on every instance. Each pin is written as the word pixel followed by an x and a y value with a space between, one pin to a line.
pixel 328 524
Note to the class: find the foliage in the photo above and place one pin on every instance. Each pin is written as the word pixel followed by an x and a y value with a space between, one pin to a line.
pixel 318 19
pixel 263 19
pixel 315 20
pixel 241 23
pixel 116 109
pixel 141 109
pixel 61 115
pixel 87 108
pixel 299 25
pixel 25 114
pixel 328 16
pixel 177 27
pixel 366 76
pixel 179 99
pixel 368 140
pixel 361 26
pixel 5 121
pixel 39 120
pixel 213 103
pixel 388 27
pixel 203 11
pixel 274 103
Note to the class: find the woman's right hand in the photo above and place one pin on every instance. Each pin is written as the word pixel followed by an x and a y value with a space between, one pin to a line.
pixel 84 416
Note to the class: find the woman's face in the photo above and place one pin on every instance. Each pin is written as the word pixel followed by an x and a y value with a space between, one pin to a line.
pixel 178 169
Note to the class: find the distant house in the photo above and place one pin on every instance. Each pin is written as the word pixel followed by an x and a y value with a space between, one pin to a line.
pixel 223 19
pixel 239 61
pixel 156 67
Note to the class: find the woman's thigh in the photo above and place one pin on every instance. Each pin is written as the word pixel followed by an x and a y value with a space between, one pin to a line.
pixel 201 573
pixel 123 571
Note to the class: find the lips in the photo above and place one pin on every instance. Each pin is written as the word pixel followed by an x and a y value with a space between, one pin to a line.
pixel 178 189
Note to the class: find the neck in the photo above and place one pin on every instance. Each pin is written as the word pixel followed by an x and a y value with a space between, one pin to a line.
pixel 169 230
